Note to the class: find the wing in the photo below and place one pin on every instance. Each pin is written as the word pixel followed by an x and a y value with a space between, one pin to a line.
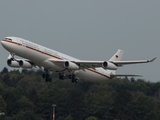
pixel 121 63
pixel 82 64
pixel 89 64
pixel 112 65
pixel 117 63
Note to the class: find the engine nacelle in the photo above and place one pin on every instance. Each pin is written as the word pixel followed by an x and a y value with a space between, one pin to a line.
pixel 71 65
pixel 25 64
pixel 13 63
pixel 108 65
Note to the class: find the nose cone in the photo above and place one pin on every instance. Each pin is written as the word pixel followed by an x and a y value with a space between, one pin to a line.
pixel 3 43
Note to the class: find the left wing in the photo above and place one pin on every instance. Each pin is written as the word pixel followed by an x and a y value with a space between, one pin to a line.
pixel 121 63
pixel 81 64
pixel 117 63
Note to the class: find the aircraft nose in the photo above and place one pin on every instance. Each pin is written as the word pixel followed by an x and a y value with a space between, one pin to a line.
pixel 2 42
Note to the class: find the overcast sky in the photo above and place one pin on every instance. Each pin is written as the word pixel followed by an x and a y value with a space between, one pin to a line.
pixel 88 29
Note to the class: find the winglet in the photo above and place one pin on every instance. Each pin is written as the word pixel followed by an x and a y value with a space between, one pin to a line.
pixel 151 60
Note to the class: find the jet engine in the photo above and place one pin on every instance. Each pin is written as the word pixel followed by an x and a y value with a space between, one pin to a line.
pixel 13 63
pixel 25 64
pixel 109 65
pixel 71 65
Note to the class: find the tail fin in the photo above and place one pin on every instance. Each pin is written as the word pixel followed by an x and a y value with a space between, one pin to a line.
pixel 117 56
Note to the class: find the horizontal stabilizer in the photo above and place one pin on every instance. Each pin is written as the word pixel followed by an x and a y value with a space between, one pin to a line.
pixel 126 75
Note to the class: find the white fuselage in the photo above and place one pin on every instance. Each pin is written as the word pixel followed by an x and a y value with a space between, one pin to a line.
pixel 40 55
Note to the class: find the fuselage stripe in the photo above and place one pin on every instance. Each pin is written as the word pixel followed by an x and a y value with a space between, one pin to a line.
pixel 43 52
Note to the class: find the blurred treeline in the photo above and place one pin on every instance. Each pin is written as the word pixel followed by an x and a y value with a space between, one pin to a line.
pixel 26 96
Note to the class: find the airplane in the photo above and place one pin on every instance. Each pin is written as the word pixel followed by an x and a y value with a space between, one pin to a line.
pixel 36 55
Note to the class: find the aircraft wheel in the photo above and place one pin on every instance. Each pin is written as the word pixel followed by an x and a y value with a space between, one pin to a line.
pixel 61 76
pixel 76 80
pixel 43 75
pixel 47 76
pixel 50 79
pixel 46 80
pixel 72 80
pixel 70 76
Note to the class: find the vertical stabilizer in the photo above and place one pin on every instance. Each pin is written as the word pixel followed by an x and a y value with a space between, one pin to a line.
pixel 117 56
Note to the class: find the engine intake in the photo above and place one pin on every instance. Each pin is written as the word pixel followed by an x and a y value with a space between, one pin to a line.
pixel 71 65
pixel 25 64
pixel 108 65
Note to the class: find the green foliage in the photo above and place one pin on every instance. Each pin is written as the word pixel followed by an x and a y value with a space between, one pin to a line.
pixel 26 96
pixel 5 70
pixel 91 118
pixel 69 117
pixel 2 104
pixel 26 115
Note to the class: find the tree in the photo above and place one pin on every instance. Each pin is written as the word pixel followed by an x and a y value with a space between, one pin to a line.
pixel 26 115
pixel 25 104
pixel 28 96
pixel 75 104
pixel 2 104
pixel 91 118
pixel 5 70
pixel 69 117
pixel 61 118
pixel 6 79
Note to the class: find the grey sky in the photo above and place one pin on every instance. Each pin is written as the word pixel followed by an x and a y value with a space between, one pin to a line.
pixel 88 29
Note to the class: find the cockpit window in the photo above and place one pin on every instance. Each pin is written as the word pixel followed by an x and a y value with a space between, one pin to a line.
pixel 8 39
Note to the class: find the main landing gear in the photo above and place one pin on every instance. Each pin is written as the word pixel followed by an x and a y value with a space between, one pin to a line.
pixel 46 76
pixel 73 77
pixel 62 76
